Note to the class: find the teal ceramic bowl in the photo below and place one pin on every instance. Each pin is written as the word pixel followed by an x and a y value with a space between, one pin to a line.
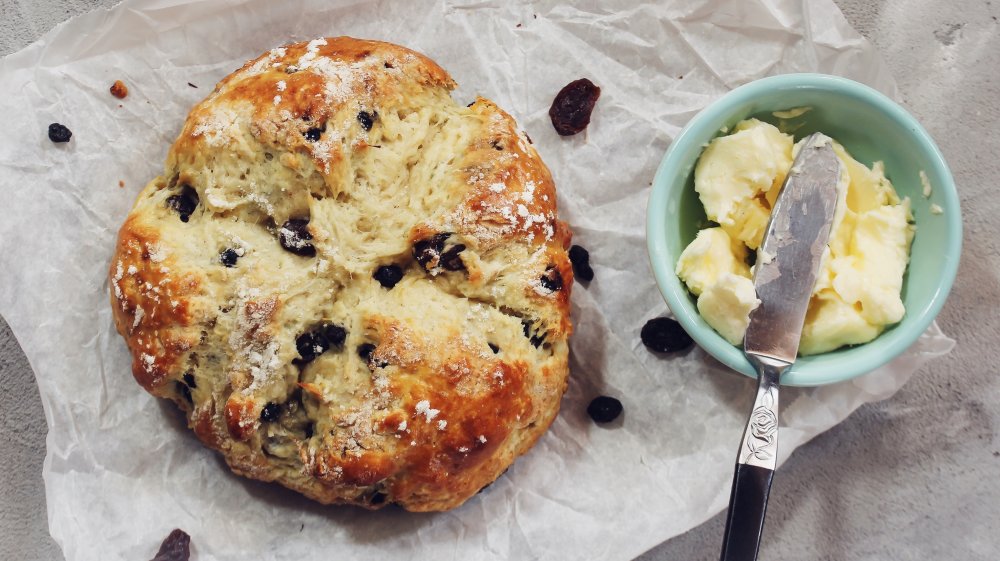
pixel 872 127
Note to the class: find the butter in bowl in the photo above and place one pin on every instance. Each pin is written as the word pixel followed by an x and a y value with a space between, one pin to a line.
pixel 895 244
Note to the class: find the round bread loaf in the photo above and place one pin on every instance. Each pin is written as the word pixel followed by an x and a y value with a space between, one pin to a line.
pixel 353 285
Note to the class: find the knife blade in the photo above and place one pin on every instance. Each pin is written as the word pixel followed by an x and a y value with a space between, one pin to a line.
pixel 785 274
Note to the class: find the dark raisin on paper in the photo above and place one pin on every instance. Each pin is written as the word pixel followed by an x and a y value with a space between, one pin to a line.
pixel 604 409
pixel 665 335
pixel 580 258
pixel 176 547
pixel 571 109
pixel 59 133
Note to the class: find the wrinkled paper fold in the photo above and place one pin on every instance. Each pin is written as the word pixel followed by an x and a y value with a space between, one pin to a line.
pixel 122 470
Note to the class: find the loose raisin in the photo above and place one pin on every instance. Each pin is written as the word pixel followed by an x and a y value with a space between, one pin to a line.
pixel 580 258
pixel 604 409
pixel 176 547
pixel 228 257
pixel 665 335
pixel 571 109
pixel 119 89
pixel 551 280
pixel 294 236
pixel 184 203
pixel 388 275
pixel 367 119
pixel 59 133
pixel 313 343
pixel 270 413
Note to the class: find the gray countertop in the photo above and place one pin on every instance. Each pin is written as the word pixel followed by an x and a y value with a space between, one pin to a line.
pixel 912 477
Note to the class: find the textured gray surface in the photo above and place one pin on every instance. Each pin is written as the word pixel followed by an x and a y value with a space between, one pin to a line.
pixel 913 477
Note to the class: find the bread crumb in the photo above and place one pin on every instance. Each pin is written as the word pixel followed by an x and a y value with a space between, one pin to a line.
pixel 121 184
pixel 936 209
pixel 119 89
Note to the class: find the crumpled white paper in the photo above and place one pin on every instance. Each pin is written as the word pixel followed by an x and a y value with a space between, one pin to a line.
pixel 122 470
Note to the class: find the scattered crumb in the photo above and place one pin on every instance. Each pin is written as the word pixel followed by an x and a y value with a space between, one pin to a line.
pixel 936 209
pixel 121 184
pixel 926 184
pixel 192 85
pixel 518 25
pixel 119 89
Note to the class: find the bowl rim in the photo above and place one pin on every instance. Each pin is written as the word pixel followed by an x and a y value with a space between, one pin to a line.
pixel 858 360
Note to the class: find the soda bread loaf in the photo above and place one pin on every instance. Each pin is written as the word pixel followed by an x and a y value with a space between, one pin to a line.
pixel 352 285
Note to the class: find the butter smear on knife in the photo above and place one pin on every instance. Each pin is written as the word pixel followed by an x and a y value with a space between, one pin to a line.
pixel 857 293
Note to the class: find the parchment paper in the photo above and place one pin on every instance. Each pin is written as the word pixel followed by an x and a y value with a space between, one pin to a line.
pixel 122 470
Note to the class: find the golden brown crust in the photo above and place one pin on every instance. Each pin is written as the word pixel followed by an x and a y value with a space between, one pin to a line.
pixel 276 338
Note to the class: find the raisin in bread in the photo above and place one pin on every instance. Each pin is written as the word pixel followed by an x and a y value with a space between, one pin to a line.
pixel 353 285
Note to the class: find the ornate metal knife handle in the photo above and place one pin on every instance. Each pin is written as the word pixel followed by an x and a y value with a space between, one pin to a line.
pixel 760 438
pixel 754 466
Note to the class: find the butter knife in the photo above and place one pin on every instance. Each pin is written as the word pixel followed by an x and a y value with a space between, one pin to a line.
pixel 784 276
